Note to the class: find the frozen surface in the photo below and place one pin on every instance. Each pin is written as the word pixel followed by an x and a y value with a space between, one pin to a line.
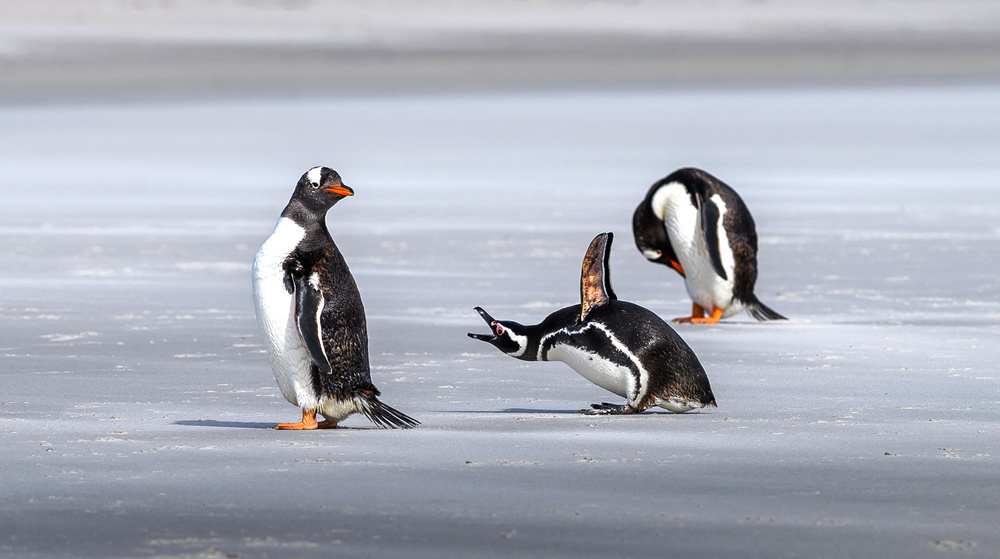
pixel 136 401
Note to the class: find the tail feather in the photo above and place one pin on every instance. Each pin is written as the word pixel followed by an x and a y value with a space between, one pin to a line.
pixel 759 310
pixel 385 416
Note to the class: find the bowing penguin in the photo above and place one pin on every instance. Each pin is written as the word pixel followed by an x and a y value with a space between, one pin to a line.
pixel 619 346
pixel 698 225
pixel 310 312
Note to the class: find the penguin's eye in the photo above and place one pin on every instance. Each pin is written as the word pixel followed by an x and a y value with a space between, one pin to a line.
pixel 499 330
pixel 315 184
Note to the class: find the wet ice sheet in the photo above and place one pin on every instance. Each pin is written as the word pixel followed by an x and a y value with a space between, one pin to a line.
pixel 135 387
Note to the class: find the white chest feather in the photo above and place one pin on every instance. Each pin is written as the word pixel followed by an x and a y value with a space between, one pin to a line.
pixel 672 204
pixel 609 375
pixel 275 309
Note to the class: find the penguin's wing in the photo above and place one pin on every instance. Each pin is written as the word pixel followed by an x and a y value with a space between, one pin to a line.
pixel 709 215
pixel 308 309
pixel 595 277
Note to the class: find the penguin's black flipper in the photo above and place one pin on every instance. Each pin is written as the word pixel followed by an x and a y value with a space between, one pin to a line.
pixel 595 277
pixel 709 214
pixel 308 309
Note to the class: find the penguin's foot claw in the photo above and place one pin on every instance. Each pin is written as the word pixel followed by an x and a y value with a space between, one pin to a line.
pixel 608 409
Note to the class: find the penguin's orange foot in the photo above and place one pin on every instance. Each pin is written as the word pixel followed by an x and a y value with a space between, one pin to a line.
pixel 300 426
pixel 308 422
pixel 697 313
pixel 328 424
pixel 705 320
pixel 698 318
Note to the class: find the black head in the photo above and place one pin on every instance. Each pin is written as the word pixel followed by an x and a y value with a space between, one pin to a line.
pixel 319 189
pixel 650 235
pixel 507 336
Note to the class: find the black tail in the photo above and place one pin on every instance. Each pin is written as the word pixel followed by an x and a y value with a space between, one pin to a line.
pixel 759 310
pixel 385 416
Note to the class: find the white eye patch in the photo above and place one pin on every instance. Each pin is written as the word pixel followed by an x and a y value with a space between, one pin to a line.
pixel 315 175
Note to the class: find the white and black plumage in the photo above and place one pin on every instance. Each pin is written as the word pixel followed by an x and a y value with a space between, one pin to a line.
pixel 700 227
pixel 310 312
pixel 617 345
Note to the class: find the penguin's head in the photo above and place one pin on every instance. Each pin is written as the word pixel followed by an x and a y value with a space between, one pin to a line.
pixel 507 336
pixel 320 188
pixel 650 234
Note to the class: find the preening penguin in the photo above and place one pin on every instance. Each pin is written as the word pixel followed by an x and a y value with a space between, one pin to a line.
pixel 617 345
pixel 310 312
pixel 700 227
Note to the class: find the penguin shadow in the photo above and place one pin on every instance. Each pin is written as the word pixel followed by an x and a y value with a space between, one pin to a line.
pixel 531 410
pixel 227 424
pixel 574 411
pixel 269 425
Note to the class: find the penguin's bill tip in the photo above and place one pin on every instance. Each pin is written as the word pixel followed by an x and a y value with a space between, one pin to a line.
pixel 486 316
pixel 343 190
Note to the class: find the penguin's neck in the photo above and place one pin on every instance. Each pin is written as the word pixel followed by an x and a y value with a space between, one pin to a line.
pixel 311 220
pixel 667 196
pixel 532 337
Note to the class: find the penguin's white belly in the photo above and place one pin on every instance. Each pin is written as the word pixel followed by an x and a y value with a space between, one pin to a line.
pixel 610 376
pixel 275 308
pixel 703 284
pixel 613 378
pixel 678 405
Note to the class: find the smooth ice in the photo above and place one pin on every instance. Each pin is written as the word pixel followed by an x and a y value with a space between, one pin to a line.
pixel 137 401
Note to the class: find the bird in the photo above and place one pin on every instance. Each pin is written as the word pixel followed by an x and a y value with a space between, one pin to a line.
pixel 619 346
pixel 311 315
pixel 699 226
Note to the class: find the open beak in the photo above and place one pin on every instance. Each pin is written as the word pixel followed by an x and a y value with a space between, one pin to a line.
pixel 342 189
pixel 489 320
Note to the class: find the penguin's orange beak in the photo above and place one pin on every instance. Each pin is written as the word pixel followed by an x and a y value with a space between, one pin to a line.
pixel 343 190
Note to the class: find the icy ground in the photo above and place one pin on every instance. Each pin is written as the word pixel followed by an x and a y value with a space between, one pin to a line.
pixel 136 401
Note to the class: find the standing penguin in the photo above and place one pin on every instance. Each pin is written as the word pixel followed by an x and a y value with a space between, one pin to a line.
pixel 698 225
pixel 310 312
pixel 619 346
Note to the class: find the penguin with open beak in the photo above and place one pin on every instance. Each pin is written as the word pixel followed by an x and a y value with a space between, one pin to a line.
pixel 619 346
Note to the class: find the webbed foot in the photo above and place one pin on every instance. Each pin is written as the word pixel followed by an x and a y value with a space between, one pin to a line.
pixel 698 316
pixel 609 409
pixel 308 422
